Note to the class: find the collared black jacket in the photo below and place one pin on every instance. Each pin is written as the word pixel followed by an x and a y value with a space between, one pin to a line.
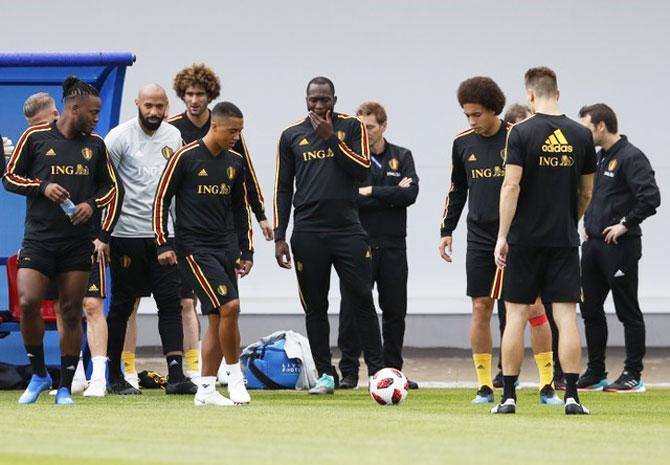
pixel 624 191
pixel 384 213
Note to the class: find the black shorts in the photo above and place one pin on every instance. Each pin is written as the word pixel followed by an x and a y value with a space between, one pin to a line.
pixel 215 276
pixel 552 273
pixel 135 268
pixel 96 287
pixel 52 258
pixel 481 273
pixel 187 287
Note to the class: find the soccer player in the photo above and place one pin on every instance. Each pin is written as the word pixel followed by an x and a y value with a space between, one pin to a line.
pixel 140 148
pixel 549 165
pixel 624 194
pixel 213 242
pixel 326 154
pixel 391 186
pixel 39 108
pixel 477 174
pixel 61 163
pixel 197 86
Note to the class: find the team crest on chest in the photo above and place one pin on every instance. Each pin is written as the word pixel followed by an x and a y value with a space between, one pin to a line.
pixel 87 153
pixel 231 172
pixel 167 152
pixel 612 165
pixel 394 164
pixel 341 135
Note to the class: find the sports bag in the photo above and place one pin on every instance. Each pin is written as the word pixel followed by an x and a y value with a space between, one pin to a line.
pixel 268 367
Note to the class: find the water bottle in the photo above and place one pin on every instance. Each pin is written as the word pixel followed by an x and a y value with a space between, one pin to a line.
pixel 68 207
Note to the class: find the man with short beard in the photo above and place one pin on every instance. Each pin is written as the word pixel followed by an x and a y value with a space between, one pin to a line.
pixel 139 149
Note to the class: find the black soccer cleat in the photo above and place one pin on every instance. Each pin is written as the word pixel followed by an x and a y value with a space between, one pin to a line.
pixel 509 406
pixel 184 386
pixel 348 382
pixel 412 384
pixel 498 380
pixel 591 381
pixel 121 387
pixel 572 407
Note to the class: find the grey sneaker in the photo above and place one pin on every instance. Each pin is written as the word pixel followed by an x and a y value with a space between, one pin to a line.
pixel 325 385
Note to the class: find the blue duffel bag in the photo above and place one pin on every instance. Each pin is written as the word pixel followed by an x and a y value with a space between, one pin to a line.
pixel 268 367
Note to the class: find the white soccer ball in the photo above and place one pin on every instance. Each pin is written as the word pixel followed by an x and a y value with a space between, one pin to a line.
pixel 388 386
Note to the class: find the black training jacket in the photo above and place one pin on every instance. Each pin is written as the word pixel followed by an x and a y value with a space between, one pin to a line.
pixel 624 191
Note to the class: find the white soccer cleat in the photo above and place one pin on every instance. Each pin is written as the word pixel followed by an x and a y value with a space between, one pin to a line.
pixel 237 390
pixel 212 397
pixel 96 388
pixel 133 380
pixel 78 386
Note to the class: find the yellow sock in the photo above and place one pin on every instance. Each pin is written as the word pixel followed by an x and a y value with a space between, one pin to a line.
pixel 128 362
pixel 192 357
pixel 545 367
pixel 483 369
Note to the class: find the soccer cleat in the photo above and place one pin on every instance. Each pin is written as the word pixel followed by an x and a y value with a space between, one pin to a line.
pixel 559 383
pixel 484 396
pixel 498 380
pixel 237 391
pixel 133 379
pixel 185 386
pixel 626 383
pixel 509 406
pixel 78 386
pixel 348 382
pixel 572 407
pixel 590 381
pixel 412 384
pixel 212 397
pixel 96 388
pixel 37 385
pixel 548 396
pixel 324 385
pixel 122 387
pixel 64 397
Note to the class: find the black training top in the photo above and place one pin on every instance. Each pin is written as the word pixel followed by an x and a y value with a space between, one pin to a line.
pixel 477 174
pixel 212 210
pixel 80 165
pixel 384 213
pixel 191 132
pixel 326 174
pixel 554 152
pixel 625 190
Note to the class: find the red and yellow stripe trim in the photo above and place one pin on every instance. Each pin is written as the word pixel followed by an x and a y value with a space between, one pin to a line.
pixel 202 281
pixel 496 288
pixel 10 173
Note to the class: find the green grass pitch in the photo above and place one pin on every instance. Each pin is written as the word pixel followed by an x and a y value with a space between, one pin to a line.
pixel 434 426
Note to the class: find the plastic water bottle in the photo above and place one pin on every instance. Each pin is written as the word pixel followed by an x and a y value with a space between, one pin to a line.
pixel 68 207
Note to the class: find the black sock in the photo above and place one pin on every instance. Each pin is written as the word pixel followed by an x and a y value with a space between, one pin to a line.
pixel 68 365
pixel 509 387
pixel 175 371
pixel 571 386
pixel 36 357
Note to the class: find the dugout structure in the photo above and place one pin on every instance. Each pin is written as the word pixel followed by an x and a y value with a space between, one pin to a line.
pixel 21 75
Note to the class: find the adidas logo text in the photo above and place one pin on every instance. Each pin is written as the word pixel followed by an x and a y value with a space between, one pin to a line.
pixel 557 143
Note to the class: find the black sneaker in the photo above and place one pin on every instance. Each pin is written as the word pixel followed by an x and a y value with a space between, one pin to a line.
pixel 559 382
pixel 185 386
pixel 348 382
pixel 627 382
pixel 412 384
pixel 498 380
pixel 509 406
pixel 121 387
pixel 591 381
pixel 572 407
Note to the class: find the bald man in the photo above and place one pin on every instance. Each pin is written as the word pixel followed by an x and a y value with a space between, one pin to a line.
pixel 139 149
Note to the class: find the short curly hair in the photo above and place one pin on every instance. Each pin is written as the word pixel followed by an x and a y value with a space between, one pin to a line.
pixel 197 74
pixel 482 90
